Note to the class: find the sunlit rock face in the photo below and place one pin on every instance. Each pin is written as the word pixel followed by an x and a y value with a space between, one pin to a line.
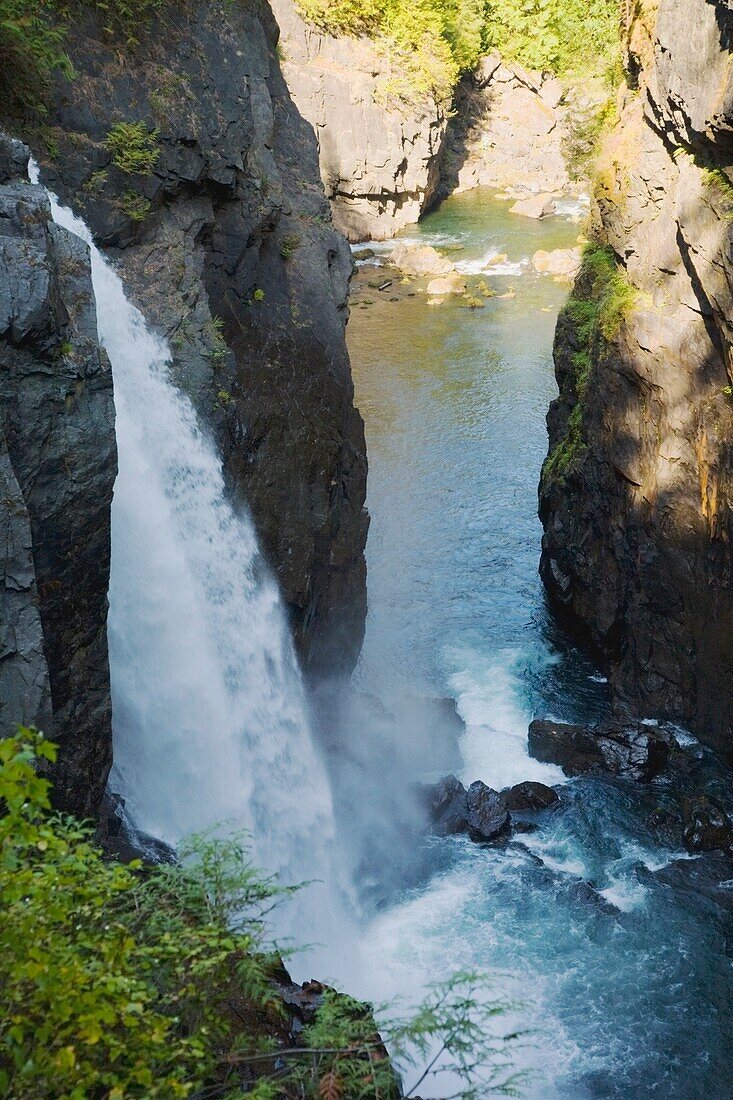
pixel 379 157
pixel 636 502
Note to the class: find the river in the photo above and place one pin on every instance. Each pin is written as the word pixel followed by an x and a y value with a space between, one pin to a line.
pixel 628 981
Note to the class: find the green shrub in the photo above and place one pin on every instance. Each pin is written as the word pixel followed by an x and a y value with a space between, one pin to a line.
pixel 134 205
pixel 564 36
pixel 430 42
pixel 134 147
pixel 121 982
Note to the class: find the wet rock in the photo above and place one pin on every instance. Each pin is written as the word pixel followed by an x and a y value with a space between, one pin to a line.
pixel 58 461
pixel 452 283
pixel 707 827
pixel 420 260
pixel 708 877
pixel 479 811
pixel 529 796
pixel 445 802
pixel 562 262
pixel 364 254
pixel 638 751
pixel 487 817
pixel 536 206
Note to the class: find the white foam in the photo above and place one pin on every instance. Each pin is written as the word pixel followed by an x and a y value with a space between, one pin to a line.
pixel 494 747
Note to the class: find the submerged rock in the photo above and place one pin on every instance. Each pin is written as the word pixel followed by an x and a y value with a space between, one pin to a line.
pixel 638 751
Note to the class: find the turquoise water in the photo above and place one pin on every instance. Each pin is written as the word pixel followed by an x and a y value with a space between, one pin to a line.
pixel 628 982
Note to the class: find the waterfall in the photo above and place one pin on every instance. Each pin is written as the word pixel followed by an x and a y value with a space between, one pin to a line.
pixel 210 717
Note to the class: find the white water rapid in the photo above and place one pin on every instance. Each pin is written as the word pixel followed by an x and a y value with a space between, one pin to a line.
pixel 210 717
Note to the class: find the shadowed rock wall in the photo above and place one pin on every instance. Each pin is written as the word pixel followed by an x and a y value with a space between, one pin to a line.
pixel 636 503
pixel 227 246
pixel 58 461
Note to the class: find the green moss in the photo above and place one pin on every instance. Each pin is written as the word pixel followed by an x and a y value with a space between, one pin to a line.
pixel 601 299
pixel 134 147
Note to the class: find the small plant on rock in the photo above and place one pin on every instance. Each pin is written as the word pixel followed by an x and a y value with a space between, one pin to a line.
pixel 134 147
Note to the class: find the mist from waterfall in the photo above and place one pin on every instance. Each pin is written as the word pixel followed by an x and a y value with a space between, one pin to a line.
pixel 210 721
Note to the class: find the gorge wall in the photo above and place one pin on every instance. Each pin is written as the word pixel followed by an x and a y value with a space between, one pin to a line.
pixel 58 461
pixel 637 492
pixel 379 158
pixel 385 158
pixel 211 203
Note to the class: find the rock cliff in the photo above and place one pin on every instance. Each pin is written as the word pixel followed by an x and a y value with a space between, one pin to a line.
pixel 636 494
pixel 195 171
pixel 508 129
pixel 58 461
pixel 379 157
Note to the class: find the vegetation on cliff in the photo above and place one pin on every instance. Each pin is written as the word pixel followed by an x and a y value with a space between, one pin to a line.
pixel 130 981
pixel 438 39
pixel 601 298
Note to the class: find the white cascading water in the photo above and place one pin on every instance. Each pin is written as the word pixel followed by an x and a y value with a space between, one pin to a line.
pixel 210 716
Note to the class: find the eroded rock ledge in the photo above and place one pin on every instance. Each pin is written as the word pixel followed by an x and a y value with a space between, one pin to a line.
pixel 636 496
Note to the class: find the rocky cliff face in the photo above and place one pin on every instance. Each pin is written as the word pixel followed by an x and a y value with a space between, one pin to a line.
pixel 379 157
pixel 213 207
pixel 58 461
pixel 508 130
pixel 636 495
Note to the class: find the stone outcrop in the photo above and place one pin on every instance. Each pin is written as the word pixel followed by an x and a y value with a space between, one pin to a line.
pixel 638 752
pixel 636 497
pixel 508 130
pixel 379 157
pixel 58 461
pixel 481 812
pixel 224 240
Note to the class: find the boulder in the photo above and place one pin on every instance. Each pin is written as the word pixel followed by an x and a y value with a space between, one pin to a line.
pixel 529 796
pixel 563 262
pixel 453 283
pixel 536 206
pixel 445 802
pixel 478 811
pixel 707 827
pixel 487 817
pixel 637 751
pixel 363 254
pixel 420 259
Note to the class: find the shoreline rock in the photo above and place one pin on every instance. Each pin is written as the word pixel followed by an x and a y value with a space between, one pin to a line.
pixel 638 751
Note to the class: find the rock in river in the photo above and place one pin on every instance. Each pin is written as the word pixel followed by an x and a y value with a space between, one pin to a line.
pixel 707 827
pixel 637 751
pixel 419 260
pixel 536 206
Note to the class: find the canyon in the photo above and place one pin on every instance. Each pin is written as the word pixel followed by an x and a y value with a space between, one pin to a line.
pixel 210 333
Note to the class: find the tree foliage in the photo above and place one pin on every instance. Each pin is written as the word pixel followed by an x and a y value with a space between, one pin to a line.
pixel 119 981
pixel 435 40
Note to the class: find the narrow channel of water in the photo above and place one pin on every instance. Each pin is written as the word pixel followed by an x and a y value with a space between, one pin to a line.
pixel 631 982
